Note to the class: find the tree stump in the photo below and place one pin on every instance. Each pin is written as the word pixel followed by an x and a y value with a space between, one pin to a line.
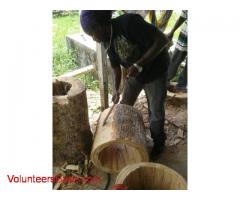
pixel 150 176
pixel 121 141
pixel 72 137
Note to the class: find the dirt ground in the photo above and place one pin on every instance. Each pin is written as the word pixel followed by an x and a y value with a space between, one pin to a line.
pixel 175 153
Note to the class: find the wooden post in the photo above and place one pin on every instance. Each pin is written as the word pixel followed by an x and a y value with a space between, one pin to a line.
pixel 103 75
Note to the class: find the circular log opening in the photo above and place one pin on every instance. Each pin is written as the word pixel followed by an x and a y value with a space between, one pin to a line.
pixel 117 155
pixel 61 88
pixel 150 176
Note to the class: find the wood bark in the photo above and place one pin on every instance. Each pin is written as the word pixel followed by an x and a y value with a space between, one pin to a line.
pixel 72 137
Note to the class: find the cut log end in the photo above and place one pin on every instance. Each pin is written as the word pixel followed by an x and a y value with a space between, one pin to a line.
pixel 113 156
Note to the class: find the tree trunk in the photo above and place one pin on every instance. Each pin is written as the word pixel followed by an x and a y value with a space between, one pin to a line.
pixel 121 141
pixel 72 137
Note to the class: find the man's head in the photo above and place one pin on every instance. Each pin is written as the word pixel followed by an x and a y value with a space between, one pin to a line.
pixel 97 23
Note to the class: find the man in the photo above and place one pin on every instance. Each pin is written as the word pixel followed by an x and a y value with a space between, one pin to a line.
pixel 179 54
pixel 141 48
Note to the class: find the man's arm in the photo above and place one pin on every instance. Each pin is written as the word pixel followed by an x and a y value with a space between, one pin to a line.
pixel 150 55
pixel 154 50
pixel 145 34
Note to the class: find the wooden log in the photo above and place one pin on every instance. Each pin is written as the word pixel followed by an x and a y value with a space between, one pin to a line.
pixel 150 176
pixel 121 141
pixel 72 137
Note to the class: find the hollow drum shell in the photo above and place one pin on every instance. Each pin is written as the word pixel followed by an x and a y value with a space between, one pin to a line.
pixel 121 141
pixel 150 176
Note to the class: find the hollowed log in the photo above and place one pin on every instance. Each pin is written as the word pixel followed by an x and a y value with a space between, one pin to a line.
pixel 121 141
pixel 72 137
pixel 150 176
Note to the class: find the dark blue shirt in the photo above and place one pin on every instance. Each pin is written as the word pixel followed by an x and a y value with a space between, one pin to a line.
pixel 131 38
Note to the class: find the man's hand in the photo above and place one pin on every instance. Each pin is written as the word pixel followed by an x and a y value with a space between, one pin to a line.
pixel 132 72
pixel 115 97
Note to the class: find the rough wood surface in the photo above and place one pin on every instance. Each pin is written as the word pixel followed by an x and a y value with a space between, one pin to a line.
pixel 72 138
pixel 150 176
pixel 121 141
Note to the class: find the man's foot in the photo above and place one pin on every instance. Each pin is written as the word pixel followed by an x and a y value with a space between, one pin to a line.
pixel 156 151
pixel 158 147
